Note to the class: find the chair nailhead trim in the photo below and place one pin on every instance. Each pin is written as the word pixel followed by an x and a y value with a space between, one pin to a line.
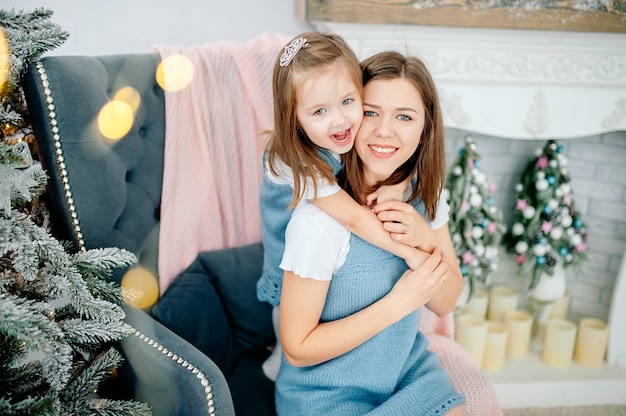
pixel 204 381
pixel 65 180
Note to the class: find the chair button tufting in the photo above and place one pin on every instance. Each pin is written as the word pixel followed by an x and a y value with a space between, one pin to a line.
pixel 157 213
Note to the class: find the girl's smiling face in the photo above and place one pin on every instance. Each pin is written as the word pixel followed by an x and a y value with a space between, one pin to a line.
pixel 393 121
pixel 329 107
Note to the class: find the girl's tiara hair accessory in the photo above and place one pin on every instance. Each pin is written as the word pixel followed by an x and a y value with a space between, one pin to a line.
pixel 291 50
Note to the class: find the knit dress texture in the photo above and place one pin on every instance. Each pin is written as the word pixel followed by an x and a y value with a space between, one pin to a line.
pixel 391 374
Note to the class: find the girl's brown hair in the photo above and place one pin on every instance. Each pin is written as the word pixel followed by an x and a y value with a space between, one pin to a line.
pixel 427 164
pixel 288 141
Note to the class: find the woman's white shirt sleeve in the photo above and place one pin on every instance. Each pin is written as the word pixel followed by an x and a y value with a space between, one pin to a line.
pixel 442 216
pixel 316 245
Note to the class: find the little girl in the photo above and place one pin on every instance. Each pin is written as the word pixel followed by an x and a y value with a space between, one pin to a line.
pixel 317 92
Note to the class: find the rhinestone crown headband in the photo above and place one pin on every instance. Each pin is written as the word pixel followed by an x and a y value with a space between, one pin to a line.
pixel 291 50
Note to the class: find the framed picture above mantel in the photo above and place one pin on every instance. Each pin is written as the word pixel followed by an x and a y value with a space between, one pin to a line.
pixel 568 15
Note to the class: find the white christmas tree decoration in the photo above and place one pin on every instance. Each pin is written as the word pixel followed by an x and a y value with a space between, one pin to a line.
pixel 547 229
pixel 476 224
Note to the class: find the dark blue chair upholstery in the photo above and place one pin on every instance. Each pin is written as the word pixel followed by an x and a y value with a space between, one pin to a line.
pixel 104 193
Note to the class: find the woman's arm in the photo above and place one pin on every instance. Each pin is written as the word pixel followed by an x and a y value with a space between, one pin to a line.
pixel 444 300
pixel 306 341
pixel 361 221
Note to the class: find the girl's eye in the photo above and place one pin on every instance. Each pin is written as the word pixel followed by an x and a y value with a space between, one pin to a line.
pixel 404 118
pixel 369 113
pixel 320 112
pixel 347 101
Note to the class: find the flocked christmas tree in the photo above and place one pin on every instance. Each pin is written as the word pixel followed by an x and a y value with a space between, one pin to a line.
pixel 59 314
pixel 476 224
pixel 547 229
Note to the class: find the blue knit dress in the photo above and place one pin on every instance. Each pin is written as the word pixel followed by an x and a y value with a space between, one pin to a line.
pixel 391 374
pixel 274 201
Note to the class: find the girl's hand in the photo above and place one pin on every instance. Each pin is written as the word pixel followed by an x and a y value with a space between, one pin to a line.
pixel 386 193
pixel 405 224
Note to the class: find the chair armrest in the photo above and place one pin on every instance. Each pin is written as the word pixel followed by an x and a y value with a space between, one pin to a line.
pixel 169 373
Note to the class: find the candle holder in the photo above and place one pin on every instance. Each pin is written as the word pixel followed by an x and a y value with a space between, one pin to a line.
pixel 519 324
pixel 495 346
pixel 470 333
pixel 591 342
pixel 558 345
pixel 502 299
pixel 477 304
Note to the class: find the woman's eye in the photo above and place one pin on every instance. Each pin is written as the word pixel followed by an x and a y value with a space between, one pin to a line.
pixel 320 112
pixel 404 118
pixel 347 101
pixel 369 113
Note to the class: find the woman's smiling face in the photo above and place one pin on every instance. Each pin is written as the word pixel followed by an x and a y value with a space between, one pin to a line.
pixel 393 121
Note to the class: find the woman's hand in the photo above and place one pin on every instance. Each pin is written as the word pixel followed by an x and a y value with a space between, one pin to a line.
pixel 406 225
pixel 417 287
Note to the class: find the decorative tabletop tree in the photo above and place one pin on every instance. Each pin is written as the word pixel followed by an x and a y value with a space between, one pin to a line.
pixel 547 231
pixel 476 224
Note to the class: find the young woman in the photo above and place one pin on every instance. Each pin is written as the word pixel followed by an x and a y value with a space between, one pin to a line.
pixel 349 311
pixel 317 91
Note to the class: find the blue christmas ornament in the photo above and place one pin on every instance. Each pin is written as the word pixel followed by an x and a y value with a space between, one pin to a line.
pixel 464 270
pixel 485 223
pixel 563 251
pixel 461 152
pixel 578 223
pixel 551 179
pixel 476 164
pixel 490 200
pixel 543 241
pixel 547 209
pixel 541 260
pixel 559 149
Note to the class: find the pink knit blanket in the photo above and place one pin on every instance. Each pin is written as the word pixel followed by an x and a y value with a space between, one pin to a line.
pixel 214 138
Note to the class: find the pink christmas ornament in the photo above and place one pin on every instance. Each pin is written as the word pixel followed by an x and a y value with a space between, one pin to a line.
pixel 546 227
pixel 521 204
pixel 468 257
pixel 542 163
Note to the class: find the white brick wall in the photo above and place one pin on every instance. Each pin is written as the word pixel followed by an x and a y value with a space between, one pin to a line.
pixel 597 167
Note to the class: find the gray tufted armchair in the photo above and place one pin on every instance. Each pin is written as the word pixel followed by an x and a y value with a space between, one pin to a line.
pixel 199 349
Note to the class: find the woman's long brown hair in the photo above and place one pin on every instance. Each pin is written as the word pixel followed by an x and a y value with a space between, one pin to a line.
pixel 427 164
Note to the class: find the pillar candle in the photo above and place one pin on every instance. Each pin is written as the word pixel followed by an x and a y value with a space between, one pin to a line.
pixel 470 333
pixel 477 304
pixel 501 300
pixel 591 342
pixel 495 346
pixel 558 344
pixel 520 325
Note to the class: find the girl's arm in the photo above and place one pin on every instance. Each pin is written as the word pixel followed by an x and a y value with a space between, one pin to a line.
pixel 306 341
pixel 421 235
pixel 361 221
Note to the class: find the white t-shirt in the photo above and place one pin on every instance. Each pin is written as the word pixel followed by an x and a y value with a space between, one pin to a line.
pixel 316 245
pixel 285 177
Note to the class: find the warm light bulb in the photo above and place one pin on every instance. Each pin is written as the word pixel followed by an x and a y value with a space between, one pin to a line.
pixel 140 288
pixel 175 73
pixel 115 119
pixel 4 58
pixel 130 96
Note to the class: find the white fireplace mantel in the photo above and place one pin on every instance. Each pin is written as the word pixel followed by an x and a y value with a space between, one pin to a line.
pixel 512 83
pixel 525 84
